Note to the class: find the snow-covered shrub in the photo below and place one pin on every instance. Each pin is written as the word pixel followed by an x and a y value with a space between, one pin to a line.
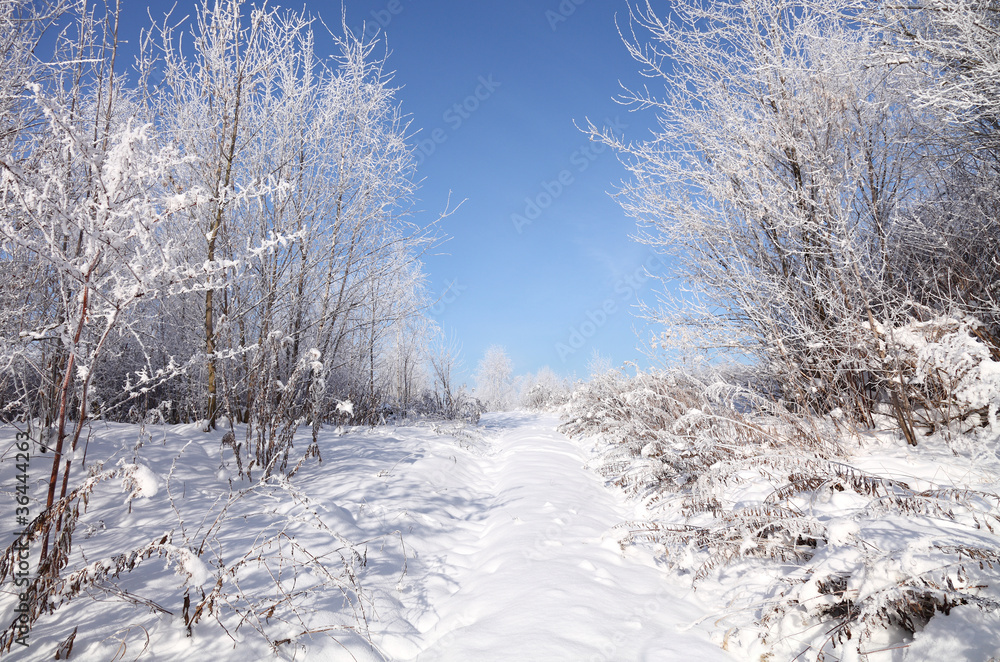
pixel 819 555
pixel 951 372
pixel 543 391
pixel 470 409
pixel 852 560
pixel 880 574
pixel 61 576
pixel 456 404
pixel 229 589
pixel 537 397
pixel 277 408
pixel 662 431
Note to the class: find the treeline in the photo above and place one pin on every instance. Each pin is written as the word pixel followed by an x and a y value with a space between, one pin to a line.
pixel 219 237
pixel 826 179
pixel 222 237
pixel 222 233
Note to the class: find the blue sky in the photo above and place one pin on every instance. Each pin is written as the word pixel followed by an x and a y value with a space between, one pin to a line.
pixel 540 254
pixel 539 258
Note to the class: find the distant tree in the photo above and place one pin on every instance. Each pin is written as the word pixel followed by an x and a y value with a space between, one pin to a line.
pixel 494 379
pixel 598 364
pixel 542 390
pixel 445 358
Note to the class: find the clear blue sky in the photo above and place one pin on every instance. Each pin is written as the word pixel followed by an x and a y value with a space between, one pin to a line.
pixel 540 260
pixel 494 89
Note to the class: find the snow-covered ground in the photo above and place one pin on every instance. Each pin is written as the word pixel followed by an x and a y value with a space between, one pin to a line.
pixel 485 543
pixel 516 559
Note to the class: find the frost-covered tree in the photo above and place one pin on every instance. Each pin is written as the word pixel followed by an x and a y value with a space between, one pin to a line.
pixel 782 160
pixel 22 28
pixel 494 381
pixel 20 32
pixel 87 213
pixel 404 345
pixel 307 174
pixel 297 179
pixel 949 252
pixel 445 358
pixel 959 39
pixel 207 104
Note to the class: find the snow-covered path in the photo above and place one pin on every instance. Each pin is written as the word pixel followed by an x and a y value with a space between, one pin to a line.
pixel 474 545
pixel 512 557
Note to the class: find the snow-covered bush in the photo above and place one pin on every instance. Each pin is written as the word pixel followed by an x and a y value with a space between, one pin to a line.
pixel 767 203
pixel 880 572
pixel 542 391
pixel 448 398
pixel 455 404
pixel 662 431
pixel 951 373
pixel 816 552
pixel 847 559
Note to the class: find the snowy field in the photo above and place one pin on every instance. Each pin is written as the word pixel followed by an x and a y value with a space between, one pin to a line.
pixel 444 541
pixel 486 543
